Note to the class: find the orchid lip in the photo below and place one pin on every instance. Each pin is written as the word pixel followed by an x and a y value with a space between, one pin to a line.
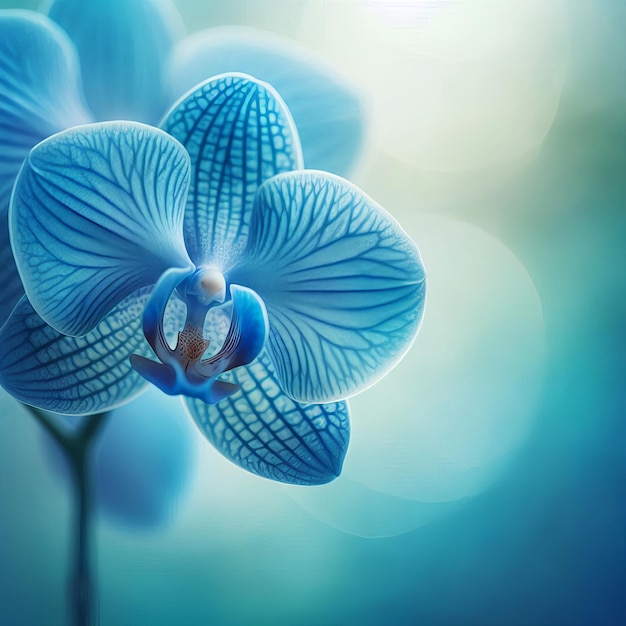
pixel 182 369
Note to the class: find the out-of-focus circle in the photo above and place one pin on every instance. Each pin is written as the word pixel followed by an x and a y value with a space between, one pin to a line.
pixel 351 507
pixel 228 504
pixel 456 85
pixel 441 425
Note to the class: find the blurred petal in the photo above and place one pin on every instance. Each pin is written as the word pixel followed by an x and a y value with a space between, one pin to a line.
pixel 145 461
pixel 39 89
pixel 123 45
pixel 262 430
pixel 328 112
pixel 343 284
pixel 39 95
pixel 72 375
pixel 238 133
pixel 97 214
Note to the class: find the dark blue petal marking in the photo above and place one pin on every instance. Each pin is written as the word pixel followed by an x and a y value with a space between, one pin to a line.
pixel 262 430
pixel 123 45
pixel 238 133
pixel 39 95
pixel 72 375
pixel 11 290
pixel 97 214
pixel 343 284
pixel 328 112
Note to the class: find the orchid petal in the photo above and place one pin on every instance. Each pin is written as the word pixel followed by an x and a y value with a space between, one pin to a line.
pixel 262 430
pixel 97 214
pixel 39 95
pixel 122 46
pixel 327 110
pixel 238 133
pixel 72 375
pixel 12 289
pixel 343 284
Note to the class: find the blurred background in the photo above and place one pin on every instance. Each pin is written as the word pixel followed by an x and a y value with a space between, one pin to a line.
pixel 485 479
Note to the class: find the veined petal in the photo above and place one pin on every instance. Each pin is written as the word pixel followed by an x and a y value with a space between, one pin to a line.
pixel 72 375
pixel 262 430
pixel 238 133
pixel 343 284
pixel 95 215
pixel 11 289
pixel 123 45
pixel 328 112
pixel 39 89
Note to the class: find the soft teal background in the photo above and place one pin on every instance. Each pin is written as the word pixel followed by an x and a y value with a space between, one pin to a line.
pixel 498 497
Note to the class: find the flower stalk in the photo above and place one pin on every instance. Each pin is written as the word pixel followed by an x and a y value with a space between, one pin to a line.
pixel 77 448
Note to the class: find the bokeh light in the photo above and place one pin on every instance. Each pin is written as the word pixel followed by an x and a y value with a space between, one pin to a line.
pixel 443 425
pixel 466 394
pixel 460 85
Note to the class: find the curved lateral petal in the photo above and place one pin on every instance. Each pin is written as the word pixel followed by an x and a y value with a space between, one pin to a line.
pixel 72 375
pixel 328 112
pixel 97 214
pixel 343 284
pixel 123 45
pixel 39 89
pixel 262 430
pixel 238 133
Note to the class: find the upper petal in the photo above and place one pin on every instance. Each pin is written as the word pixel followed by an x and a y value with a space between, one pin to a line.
pixel 96 214
pixel 343 284
pixel 262 430
pixel 123 45
pixel 238 133
pixel 328 112
pixel 72 375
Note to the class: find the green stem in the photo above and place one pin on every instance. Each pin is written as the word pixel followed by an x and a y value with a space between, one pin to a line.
pixel 76 447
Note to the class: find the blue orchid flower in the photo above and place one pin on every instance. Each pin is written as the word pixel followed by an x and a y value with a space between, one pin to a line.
pixel 288 290
pixel 92 60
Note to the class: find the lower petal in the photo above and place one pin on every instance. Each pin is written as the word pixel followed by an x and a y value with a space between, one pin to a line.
pixel 264 431
pixel 73 375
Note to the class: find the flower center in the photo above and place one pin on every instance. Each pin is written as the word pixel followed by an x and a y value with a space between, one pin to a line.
pixel 182 370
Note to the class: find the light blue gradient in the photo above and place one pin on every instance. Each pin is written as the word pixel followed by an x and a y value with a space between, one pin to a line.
pixel 543 542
